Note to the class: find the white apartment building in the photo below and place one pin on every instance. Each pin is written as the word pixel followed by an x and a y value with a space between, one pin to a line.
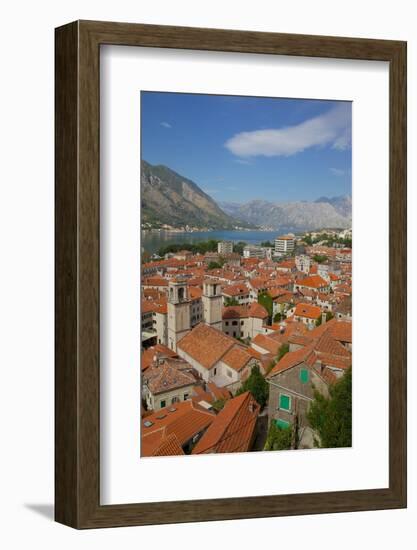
pixel 285 244
pixel 255 251
pixel 225 247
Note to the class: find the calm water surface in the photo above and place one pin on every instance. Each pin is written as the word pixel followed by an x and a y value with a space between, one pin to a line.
pixel 152 240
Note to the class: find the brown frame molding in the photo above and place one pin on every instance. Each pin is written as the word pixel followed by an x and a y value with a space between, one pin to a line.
pixel 77 468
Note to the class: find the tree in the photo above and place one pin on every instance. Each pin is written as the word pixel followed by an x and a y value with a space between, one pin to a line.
pixel 267 244
pixel 257 385
pixel 231 302
pixel 238 247
pixel 277 317
pixel 331 417
pixel 196 248
pixel 278 438
pixel 283 349
pixel 218 404
pixel 266 300
pixel 214 265
pixel 320 258
pixel 329 316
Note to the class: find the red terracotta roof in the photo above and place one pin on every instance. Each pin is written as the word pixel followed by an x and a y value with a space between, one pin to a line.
pixel 157 350
pixel 342 331
pixel 291 359
pixel 184 420
pixel 194 292
pixel 206 345
pixel 257 310
pixel 307 310
pixel 232 430
pixel 315 281
pixel 240 312
pixel 168 375
pixel 235 290
pixel 169 446
pixel 321 346
pixel 234 312
pixel 218 393
pixel 154 281
pixel 265 342
pixel 236 358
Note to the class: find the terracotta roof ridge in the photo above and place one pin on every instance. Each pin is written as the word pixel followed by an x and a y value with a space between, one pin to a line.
pixel 199 409
pixel 228 404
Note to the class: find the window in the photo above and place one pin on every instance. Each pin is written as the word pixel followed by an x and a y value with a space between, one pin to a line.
pixel 174 400
pixel 234 334
pixel 185 396
pixel 304 376
pixel 229 373
pixel 281 423
pixel 215 371
pixel 241 322
pixel 284 402
pixel 163 404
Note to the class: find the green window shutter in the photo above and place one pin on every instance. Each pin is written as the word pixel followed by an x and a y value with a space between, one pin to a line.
pixel 304 376
pixel 284 402
pixel 282 423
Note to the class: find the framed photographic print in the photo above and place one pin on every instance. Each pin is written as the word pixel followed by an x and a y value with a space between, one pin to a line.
pixel 230 274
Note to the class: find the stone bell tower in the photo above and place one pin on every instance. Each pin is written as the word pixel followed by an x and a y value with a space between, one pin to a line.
pixel 212 303
pixel 179 321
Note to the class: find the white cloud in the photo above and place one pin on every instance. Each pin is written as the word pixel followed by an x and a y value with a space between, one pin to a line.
pixel 166 124
pixel 332 128
pixel 337 172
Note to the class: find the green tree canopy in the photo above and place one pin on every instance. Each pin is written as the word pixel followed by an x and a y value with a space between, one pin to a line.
pixel 277 317
pixel 278 438
pixel 257 385
pixel 231 302
pixel 320 258
pixel 218 404
pixel 266 300
pixel 332 417
pixel 238 247
pixel 196 248
pixel 284 348
pixel 214 265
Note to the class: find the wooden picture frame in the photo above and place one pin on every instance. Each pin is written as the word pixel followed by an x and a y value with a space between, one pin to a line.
pixel 77 404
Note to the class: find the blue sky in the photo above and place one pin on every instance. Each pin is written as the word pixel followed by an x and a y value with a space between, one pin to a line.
pixel 243 148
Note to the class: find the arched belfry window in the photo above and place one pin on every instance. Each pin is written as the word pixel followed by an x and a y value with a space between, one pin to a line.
pixel 181 294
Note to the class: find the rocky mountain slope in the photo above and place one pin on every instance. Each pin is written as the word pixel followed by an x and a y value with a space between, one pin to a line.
pixel 169 198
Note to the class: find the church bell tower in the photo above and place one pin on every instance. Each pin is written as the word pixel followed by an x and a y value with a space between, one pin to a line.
pixel 179 318
pixel 212 303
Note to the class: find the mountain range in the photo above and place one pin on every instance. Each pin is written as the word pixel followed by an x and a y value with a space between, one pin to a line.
pixel 172 199
pixel 335 212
